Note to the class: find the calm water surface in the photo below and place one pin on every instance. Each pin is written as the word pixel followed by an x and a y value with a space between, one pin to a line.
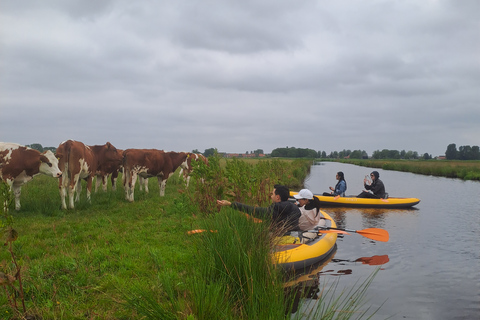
pixel 433 268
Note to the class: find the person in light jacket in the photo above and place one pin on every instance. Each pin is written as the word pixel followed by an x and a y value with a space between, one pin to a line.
pixel 340 187
pixel 310 209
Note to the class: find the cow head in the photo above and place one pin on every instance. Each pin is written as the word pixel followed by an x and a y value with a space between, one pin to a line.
pixel 113 154
pixel 49 164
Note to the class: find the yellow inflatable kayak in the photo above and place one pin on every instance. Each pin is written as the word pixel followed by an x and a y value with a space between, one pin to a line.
pixel 391 202
pixel 302 249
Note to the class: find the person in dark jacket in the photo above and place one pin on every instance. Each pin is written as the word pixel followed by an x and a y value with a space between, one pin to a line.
pixel 376 187
pixel 283 213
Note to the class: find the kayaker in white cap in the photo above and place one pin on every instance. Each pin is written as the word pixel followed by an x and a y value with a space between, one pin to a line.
pixel 310 208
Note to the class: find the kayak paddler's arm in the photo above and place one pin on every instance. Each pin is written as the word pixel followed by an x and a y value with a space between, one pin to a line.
pixel 256 211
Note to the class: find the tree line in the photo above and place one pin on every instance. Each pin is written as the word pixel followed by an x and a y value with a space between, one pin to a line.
pixel 463 152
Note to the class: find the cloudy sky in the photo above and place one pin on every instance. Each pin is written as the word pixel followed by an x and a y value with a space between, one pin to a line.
pixel 242 75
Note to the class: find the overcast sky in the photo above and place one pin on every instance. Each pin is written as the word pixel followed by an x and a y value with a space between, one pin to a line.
pixel 242 75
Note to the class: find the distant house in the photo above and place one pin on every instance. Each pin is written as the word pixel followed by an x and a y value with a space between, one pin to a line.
pixel 243 155
pixel 441 158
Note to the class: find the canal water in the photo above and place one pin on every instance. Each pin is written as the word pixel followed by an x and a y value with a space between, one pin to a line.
pixel 430 267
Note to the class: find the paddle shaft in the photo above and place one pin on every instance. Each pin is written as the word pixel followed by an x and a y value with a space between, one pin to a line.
pixel 371 233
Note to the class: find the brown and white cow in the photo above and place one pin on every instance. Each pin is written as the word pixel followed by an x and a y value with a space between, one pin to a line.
pixel 189 168
pixel 79 161
pixel 108 169
pixel 19 164
pixel 146 163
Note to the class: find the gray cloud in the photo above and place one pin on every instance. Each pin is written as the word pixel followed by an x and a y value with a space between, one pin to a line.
pixel 240 76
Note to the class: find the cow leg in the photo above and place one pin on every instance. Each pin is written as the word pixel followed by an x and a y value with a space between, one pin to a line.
pixel 17 191
pixel 89 188
pixel 62 183
pixel 78 190
pixel 97 183
pixel 145 184
pixel 162 183
pixel 113 178
pixel 104 182
pixel 72 187
pixel 130 187
pixel 188 181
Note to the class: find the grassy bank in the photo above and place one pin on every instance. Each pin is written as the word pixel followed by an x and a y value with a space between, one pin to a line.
pixel 466 170
pixel 111 259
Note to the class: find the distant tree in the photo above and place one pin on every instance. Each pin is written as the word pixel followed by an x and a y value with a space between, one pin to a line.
pixel 324 154
pixel 356 154
pixel 36 146
pixel 195 151
pixel 427 156
pixel 465 153
pixel 53 149
pixel 209 152
pixel 451 153
pixel 294 153
pixel 475 153
pixel 258 152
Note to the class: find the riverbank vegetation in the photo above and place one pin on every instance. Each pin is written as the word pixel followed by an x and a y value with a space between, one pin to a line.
pixel 466 170
pixel 112 259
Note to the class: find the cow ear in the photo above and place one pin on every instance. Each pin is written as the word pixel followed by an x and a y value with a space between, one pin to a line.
pixel 45 160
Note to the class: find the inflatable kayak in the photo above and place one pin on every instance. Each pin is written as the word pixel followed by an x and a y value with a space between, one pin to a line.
pixel 302 249
pixel 351 201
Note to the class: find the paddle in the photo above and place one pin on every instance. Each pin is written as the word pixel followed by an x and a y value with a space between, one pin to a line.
pixel 371 233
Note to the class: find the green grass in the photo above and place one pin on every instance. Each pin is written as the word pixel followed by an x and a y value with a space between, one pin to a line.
pixel 111 259
pixel 79 262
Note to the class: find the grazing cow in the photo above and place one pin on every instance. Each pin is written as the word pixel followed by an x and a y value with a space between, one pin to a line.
pixel 188 170
pixel 106 169
pixel 146 163
pixel 79 161
pixel 19 164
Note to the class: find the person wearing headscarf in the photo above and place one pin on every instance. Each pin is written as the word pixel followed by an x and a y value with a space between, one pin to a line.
pixel 376 187
pixel 310 208
pixel 340 187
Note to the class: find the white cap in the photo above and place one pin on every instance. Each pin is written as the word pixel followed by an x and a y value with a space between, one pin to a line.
pixel 304 194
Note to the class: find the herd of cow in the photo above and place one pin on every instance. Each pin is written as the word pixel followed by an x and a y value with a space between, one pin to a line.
pixel 74 161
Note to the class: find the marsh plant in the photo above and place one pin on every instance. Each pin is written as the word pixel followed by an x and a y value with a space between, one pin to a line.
pixel 10 271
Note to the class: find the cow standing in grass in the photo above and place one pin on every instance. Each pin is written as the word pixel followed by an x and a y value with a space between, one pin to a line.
pixel 79 161
pixel 192 157
pixel 111 169
pixel 146 163
pixel 19 164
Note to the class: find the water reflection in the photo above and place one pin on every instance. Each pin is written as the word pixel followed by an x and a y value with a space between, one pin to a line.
pixel 371 261
pixel 306 285
pixel 371 218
